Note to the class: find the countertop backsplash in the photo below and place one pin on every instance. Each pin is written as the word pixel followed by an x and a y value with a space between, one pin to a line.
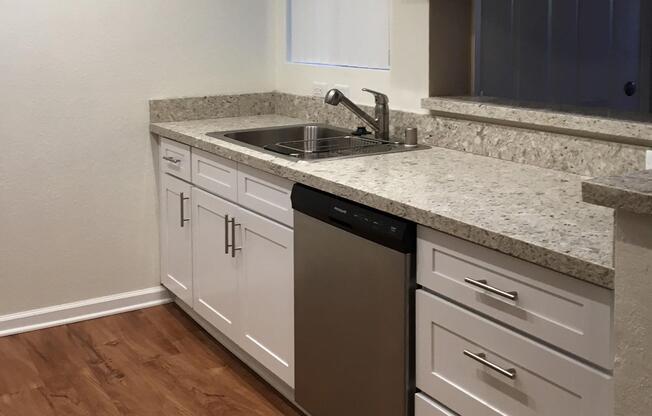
pixel 566 153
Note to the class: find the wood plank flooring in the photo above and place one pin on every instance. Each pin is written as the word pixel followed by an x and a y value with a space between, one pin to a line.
pixel 154 361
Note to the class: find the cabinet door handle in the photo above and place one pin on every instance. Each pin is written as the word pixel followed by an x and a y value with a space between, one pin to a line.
pixel 482 284
pixel 232 245
pixel 226 234
pixel 172 159
pixel 182 199
pixel 482 359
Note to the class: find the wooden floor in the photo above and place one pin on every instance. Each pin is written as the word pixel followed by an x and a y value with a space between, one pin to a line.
pixel 155 361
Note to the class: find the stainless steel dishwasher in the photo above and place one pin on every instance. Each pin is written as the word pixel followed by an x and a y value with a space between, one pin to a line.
pixel 354 307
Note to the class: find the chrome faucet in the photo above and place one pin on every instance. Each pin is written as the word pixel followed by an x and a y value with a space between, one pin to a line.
pixel 380 124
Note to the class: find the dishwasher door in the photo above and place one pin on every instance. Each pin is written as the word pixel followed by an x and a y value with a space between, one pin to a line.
pixel 353 323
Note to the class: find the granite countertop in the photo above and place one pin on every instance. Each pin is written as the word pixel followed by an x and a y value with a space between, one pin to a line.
pixel 631 192
pixel 531 213
pixel 624 127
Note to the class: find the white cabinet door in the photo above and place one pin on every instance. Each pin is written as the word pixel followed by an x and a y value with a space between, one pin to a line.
pixel 176 243
pixel 215 270
pixel 267 292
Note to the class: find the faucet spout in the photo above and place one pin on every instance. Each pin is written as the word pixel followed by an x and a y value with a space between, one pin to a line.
pixel 380 124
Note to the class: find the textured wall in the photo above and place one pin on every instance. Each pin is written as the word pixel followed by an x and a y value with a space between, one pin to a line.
pixel 78 211
pixel 633 314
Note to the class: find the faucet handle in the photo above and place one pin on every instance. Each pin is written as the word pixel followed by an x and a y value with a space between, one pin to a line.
pixel 379 96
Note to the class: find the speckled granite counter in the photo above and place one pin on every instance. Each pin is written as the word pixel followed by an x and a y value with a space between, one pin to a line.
pixel 631 192
pixel 637 129
pixel 528 212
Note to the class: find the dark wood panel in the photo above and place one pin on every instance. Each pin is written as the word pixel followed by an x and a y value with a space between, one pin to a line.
pixel 626 53
pixel 450 47
pixel 569 52
pixel 497 52
pixel 563 51
pixel 594 36
pixel 531 39
pixel 151 362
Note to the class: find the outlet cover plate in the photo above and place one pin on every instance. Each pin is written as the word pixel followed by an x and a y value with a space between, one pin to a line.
pixel 319 89
pixel 648 159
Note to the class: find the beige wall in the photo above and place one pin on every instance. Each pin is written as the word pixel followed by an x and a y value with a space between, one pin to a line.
pixel 406 82
pixel 633 314
pixel 77 184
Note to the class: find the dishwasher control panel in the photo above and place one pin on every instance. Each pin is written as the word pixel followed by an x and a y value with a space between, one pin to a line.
pixel 378 226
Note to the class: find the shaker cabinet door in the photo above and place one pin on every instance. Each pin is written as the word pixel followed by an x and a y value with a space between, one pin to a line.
pixel 176 244
pixel 267 292
pixel 215 269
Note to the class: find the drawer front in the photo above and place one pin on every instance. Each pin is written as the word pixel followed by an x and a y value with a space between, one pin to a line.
pixel 265 194
pixel 215 174
pixel 174 158
pixel 425 406
pixel 456 349
pixel 573 315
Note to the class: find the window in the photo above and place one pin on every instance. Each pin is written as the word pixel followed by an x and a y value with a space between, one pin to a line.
pixel 351 33
pixel 580 53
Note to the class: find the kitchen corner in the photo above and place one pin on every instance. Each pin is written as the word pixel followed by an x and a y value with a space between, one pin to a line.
pixel 488 201
pixel 499 245
pixel 326 208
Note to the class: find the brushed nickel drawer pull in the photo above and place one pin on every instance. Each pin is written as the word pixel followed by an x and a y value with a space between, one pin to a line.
pixel 482 284
pixel 172 159
pixel 482 359
pixel 226 234
pixel 182 199
pixel 232 245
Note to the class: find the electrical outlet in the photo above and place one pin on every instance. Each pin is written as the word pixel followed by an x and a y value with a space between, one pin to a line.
pixel 344 88
pixel 648 159
pixel 319 89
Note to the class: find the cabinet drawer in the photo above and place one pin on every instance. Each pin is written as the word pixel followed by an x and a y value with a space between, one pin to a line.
pixel 573 315
pixel 174 158
pixel 215 174
pixel 425 406
pixel 528 379
pixel 265 194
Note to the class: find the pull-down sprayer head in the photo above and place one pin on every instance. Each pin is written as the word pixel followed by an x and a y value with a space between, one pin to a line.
pixel 333 97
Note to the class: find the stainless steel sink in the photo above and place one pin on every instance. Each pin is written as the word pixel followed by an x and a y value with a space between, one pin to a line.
pixel 311 141
pixel 266 136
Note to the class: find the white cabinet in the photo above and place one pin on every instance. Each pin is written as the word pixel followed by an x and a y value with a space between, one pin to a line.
pixel 568 313
pixel 481 319
pixel 267 292
pixel 425 406
pixel 176 244
pixel 477 367
pixel 175 159
pixel 215 271
pixel 247 294
pixel 265 194
pixel 215 174
pixel 233 266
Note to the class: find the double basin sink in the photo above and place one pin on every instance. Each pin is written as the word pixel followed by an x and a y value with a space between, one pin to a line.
pixel 311 142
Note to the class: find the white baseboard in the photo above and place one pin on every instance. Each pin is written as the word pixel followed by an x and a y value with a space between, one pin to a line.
pixel 82 310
